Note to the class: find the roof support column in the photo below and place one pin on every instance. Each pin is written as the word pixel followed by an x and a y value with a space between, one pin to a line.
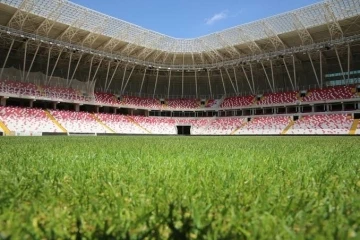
pixel 32 62
pixel 127 81
pixel 157 76
pixel 112 76
pixel 69 68
pixel 123 79
pixel 321 69
pixel 91 63
pixel 6 58
pixel 252 78
pixel 341 67
pixel 97 69
pixel 267 78
pixel 48 64
pixel 313 67
pixel 236 81
pixel 107 74
pixel 295 81
pixel 76 67
pixel 168 92
pixel 288 73
pixel 208 74
pixel 348 66
pixel 247 79
pixel 182 83
pixel 196 87
pixel 222 79
pixel 142 81
pixel 232 84
pixel 57 60
pixel 272 74
pixel 24 63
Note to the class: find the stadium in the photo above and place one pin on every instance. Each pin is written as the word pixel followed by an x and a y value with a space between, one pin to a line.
pixel 67 70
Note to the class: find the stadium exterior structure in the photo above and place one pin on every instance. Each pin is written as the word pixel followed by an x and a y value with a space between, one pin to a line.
pixel 72 46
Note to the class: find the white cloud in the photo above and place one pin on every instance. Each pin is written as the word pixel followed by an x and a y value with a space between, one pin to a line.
pixel 217 17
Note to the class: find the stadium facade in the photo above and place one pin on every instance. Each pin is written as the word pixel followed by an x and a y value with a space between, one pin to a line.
pixel 56 44
pixel 290 51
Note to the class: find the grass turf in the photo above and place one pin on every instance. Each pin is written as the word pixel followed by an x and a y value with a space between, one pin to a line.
pixel 180 187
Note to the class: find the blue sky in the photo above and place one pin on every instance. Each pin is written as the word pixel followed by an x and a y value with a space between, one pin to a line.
pixel 191 18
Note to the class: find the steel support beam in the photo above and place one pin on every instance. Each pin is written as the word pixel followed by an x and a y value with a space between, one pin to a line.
pixel 222 79
pixel 48 64
pixel 96 71
pixel 208 74
pixel 332 22
pixel 6 58
pixel 142 82
pixel 90 68
pixel 76 67
pixel 156 80
pixel 168 92
pixel 295 78
pixel 252 77
pixel 339 61
pixel 267 77
pixel 348 65
pixel 247 79
pixel 57 60
pixel 321 70
pixel 236 80
pixel 107 74
pixel 232 84
pixel 288 73
pixel 272 74
pixel 32 62
pixel 128 79
pixel 196 86
pixel 69 68
pixel 24 63
pixel 182 83
pixel 314 70
pixel 112 76
pixel 45 27
pixel 123 79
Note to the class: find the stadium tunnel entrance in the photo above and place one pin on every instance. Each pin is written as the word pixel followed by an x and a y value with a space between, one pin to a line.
pixel 184 130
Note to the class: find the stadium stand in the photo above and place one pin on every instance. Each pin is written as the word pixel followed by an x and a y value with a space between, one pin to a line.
pixel 265 125
pixel 141 102
pixel 239 101
pixel 220 126
pixel 19 88
pixel 182 103
pixel 330 93
pixel 120 124
pixel 26 120
pixel 157 125
pixel 278 98
pixel 78 122
pixel 62 93
pixel 106 98
pixel 322 124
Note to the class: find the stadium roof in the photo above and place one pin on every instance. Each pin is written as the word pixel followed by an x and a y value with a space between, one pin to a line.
pixel 69 22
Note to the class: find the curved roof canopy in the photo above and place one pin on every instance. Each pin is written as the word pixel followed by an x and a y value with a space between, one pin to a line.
pixel 74 15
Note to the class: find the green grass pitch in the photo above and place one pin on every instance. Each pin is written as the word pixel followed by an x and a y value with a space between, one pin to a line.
pixel 180 188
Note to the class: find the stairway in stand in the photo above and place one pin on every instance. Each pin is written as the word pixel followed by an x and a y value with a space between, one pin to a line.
pixel 354 127
pixel 102 123
pixel 51 117
pixel 5 129
pixel 137 124
pixel 237 129
pixel 288 127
